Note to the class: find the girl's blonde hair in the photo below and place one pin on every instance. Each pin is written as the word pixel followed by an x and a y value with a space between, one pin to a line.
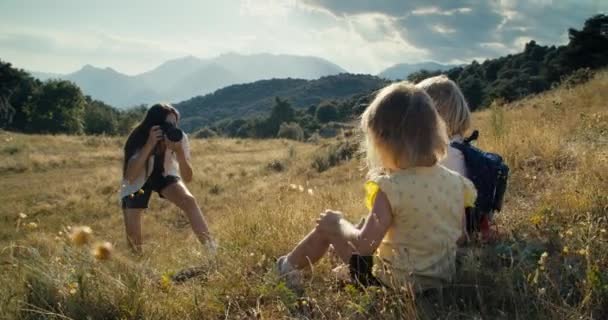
pixel 450 103
pixel 402 129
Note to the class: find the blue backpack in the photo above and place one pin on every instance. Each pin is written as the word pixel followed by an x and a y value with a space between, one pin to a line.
pixel 489 174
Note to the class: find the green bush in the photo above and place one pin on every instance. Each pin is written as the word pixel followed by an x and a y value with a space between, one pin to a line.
pixel 204 133
pixel 335 154
pixel 291 131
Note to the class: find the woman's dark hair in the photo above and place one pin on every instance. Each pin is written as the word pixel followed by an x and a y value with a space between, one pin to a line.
pixel 156 115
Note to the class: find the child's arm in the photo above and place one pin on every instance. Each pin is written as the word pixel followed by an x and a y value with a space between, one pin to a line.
pixel 376 225
pixel 137 163
pixel 366 240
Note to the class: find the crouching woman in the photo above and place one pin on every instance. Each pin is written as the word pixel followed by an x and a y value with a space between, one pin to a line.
pixel 157 161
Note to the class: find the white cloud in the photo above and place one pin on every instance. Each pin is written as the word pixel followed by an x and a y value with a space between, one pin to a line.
pixel 266 8
pixel 520 42
pixel 424 11
pixel 37 49
pixel 443 29
pixel 493 45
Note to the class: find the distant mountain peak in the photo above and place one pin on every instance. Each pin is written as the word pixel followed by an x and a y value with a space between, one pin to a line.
pixel 88 67
pixel 402 70
pixel 188 76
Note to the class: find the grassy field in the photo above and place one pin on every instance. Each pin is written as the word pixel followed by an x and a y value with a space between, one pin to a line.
pixel 261 197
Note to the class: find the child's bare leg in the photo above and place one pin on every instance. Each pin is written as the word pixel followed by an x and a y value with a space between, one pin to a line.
pixel 312 248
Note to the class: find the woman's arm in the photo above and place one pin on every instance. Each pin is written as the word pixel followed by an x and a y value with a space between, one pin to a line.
pixel 136 164
pixel 185 169
pixel 182 153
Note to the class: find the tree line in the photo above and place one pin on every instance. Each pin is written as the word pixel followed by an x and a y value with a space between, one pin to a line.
pixel 57 106
pixel 536 69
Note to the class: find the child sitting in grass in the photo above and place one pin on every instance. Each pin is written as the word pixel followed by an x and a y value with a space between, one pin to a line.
pixel 415 204
pixel 454 110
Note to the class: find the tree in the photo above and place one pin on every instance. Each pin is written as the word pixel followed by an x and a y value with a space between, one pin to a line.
pixel 421 75
pixel 16 88
pixel 588 47
pixel 327 112
pixel 473 90
pixel 281 112
pixel 129 118
pixel 100 118
pixel 57 109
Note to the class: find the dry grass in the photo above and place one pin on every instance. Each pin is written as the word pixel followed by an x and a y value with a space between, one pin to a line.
pixel 556 145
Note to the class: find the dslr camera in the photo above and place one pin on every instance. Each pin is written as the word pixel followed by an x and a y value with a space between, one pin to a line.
pixel 172 132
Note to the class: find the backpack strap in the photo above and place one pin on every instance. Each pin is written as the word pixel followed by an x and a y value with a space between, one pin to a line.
pixel 459 145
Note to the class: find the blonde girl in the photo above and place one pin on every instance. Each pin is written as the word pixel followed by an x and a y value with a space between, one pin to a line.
pixel 415 204
pixel 454 110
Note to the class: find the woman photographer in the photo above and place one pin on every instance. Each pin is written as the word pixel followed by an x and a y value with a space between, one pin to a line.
pixel 157 158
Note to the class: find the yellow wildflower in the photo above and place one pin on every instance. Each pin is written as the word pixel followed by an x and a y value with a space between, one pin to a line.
pixel 103 251
pixel 73 288
pixel 81 235
pixel 536 219
pixel 543 258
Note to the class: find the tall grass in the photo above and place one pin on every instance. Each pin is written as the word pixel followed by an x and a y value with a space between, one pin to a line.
pixel 551 262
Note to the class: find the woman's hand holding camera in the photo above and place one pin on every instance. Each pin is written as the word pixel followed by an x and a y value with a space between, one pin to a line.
pixel 174 146
pixel 154 136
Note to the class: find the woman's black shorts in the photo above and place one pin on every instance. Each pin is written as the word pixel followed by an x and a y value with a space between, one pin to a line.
pixel 141 198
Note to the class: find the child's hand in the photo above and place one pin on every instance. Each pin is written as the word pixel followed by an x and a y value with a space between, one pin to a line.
pixel 329 221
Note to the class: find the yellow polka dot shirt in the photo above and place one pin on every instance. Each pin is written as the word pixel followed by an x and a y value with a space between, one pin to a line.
pixel 427 205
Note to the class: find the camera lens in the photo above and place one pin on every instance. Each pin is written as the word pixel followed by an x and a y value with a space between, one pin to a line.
pixel 172 132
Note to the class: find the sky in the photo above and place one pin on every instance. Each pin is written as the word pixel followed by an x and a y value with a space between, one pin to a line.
pixel 362 36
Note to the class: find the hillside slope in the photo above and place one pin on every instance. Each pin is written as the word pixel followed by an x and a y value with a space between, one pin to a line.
pixel 556 205
pixel 257 98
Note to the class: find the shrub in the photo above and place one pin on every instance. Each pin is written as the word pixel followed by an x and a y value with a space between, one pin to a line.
pixel 291 131
pixel 327 112
pixel 335 154
pixel 275 165
pixel 204 133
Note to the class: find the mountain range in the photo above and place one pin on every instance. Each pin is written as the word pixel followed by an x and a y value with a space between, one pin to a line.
pixel 183 78
pixel 186 77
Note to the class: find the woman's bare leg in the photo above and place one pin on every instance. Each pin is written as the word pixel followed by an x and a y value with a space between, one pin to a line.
pixel 133 228
pixel 179 195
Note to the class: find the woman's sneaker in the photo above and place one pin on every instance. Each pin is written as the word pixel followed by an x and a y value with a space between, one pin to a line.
pixel 211 246
pixel 292 276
